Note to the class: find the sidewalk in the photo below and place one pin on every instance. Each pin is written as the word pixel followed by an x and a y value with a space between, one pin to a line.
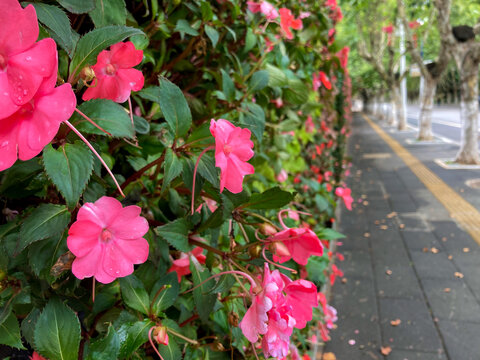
pixel 412 276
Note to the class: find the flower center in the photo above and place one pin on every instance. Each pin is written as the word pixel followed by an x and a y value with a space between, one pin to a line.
pixel 106 235
pixel 27 108
pixel 3 62
pixel 110 69
pixel 227 149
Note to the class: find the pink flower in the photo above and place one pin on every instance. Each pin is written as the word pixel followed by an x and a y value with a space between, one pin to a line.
pixel 160 334
pixel 301 244
pixel 302 297
pixel 278 102
pixel 335 272
pixel 36 356
pixel 343 56
pixel 305 14
pixel 309 125
pixel 182 264
pixel 233 148
pixel 25 133
pixel 345 194
pixel 115 78
pixel 276 341
pixel 325 81
pixel 264 7
pixel 316 81
pixel 107 239
pixel 282 176
pixel 24 64
pixel 287 21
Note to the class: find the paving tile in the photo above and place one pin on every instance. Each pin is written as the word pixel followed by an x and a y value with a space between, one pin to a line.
pixel 458 304
pixel 416 330
pixel 356 296
pixel 402 283
pixel 415 355
pixel 430 265
pixel 461 339
pixel 418 240
pixel 356 264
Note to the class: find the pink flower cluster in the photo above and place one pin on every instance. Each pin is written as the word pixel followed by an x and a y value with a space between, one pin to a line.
pixel 182 265
pixel 346 194
pixel 320 78
pixel 263 7
pixel 31 107
pixel 280 306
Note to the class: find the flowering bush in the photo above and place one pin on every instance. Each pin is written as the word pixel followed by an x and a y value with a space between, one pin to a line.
pixel 169 177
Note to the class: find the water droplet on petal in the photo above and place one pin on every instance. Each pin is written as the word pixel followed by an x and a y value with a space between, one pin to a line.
pixel 25 92
pixel 132 84
pixel 5 143
pixel 5 93
pixel 20 77
pixel 28 58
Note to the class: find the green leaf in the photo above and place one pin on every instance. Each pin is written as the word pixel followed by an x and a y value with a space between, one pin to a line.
pixel 90 45
pixel 170 351
pixel 273 198
pixel 28 326
pixel 296 92
pixel 142 126
pixel 58 25
pixel 212 35
pixel 258 81
pixel 166 297
pixel 10 332
pixel 57 332
pixel 276 77
pixel 176 234
pixel 109 12
pixel 228 87
pixel 183 27
pixel 77 6
pixel 204 299
pixel 172 168
pixel 45 221
pixel 132 337
pixel 254 119
pixel 174 107
pixel 108 114
pixel 250 40
pixel 206 9
pixel 106 348
pixel 206 168
pixel 134 294
pixel 330 234
pixel 69 167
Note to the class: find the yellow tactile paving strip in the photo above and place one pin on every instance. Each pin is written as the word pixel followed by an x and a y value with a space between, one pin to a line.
pixel 461 210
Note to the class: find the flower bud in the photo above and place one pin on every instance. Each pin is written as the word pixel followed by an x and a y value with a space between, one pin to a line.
pixel 87 74
pixel 279 249
pixel 255 251
pixel 267 229
pixel 160 335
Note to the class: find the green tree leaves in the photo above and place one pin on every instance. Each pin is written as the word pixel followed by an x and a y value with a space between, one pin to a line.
pixel 57 332
pixel 69 167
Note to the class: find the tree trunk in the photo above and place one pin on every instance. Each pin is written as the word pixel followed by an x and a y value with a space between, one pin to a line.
pixel 400 111
pixel 468 153
pixel 426 107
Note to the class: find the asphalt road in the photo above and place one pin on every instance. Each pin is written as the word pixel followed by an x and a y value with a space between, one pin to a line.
pixel 445 121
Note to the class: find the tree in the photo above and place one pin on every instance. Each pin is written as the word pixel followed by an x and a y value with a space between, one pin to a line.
pixel 460 43
pixel 431 73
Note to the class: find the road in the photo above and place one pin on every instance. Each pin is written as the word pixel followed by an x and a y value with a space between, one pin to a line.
pixel 445 120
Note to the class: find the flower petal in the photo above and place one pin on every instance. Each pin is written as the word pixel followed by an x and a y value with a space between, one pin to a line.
pixel 128 224
pixel 83 237
pixel 125 56
pixel 115 263
pixel 19 29
pixel 133 77
pixel 8 142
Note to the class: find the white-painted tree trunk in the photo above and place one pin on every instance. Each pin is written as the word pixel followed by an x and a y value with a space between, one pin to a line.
pixel 426 108
pixel 392 118
pixel 468 153
pixel 400 111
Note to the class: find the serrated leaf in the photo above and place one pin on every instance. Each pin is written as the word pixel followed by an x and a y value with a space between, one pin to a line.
pixel 77 6
pixel 165 298
pixel 134 294
pixel 90 45
pixel 206 169
pixel 58 25
pixel 109 12
pixel 170 351
pixel 57 332
pixel 276 77
pixel 204 299
pixel 108 114
pixel 10 332
pixel 254 119
pixel 273 198
pixel 69 167
pixel 106 348
pixel 212 35
pixel 258 81
pixel 132 336
pixel 176 234
pixel 296 92
pixel 330 234
pixel 28 326
pixel 183 27
pixel 142 126
pixel 45 221
pixel 172 168
pixel 174 107
pixel 228 87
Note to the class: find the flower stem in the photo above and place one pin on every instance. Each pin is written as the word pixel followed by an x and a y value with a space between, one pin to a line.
pixel 131 118
pixel 194 241
pixel 195 175
pixel 96 154
pixel 253 284
pixel 275 264
pixel 173 332
pixel 280 213
pixel 92 122
pixel 151 342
